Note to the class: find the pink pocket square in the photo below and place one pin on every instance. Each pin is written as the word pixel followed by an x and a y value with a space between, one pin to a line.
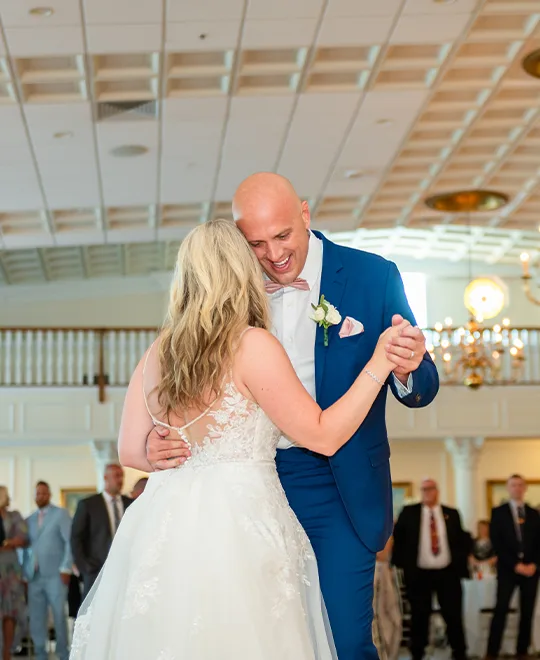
pixel 350 327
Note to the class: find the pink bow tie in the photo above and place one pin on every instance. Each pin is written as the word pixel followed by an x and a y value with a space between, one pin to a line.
pixel 272 287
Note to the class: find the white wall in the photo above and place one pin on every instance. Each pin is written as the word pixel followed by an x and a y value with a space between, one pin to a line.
pixel 141 302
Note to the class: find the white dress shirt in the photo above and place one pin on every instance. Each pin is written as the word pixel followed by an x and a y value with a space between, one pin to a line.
pixel 109 504
pixel 426 558
pixel 292 324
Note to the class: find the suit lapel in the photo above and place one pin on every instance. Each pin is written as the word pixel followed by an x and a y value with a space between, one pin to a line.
pixel 105 515
pixel 333 282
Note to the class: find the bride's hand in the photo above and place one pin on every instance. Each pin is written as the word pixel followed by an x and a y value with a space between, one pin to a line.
pixel 380 356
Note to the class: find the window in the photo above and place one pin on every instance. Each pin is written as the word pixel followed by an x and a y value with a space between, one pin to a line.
pixel 415 289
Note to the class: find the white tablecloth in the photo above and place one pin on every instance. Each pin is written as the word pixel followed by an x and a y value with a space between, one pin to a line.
pixel 479 594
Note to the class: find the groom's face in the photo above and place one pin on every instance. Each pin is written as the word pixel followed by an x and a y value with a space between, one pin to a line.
pixel 280 241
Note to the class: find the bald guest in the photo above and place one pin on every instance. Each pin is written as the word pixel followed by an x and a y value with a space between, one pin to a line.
pixel 431 547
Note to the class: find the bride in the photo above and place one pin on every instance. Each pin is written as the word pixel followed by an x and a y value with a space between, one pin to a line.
pixel 210 563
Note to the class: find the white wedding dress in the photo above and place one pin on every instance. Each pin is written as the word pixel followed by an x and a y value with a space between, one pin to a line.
pixel 210 563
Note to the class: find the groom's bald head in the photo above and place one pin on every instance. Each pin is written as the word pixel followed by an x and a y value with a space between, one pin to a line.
pixel 275 221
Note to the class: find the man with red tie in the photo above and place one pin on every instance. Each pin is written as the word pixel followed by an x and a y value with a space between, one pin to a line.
pixel 432 548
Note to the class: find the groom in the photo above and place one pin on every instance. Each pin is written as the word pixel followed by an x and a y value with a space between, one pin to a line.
pixel 344 502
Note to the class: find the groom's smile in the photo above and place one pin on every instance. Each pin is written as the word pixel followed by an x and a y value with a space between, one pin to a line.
pixel 275 222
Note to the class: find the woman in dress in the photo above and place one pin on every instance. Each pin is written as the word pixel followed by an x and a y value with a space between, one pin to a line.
pixel 388 617
pixel 210 561
pixel 13 535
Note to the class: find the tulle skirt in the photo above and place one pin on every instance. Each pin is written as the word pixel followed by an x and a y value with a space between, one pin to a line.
pixel 210 563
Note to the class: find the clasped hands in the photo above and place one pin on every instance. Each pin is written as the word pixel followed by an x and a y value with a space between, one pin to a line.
pixel 527 570
pixel 406 350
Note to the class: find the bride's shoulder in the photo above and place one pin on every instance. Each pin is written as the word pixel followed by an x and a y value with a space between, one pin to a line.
pixel 257 337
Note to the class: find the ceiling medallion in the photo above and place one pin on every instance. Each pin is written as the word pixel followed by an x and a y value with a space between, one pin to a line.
pixel 468 201
pixel 531 63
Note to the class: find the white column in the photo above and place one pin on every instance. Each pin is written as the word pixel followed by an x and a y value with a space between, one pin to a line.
pixel 104 452
pixel 465 453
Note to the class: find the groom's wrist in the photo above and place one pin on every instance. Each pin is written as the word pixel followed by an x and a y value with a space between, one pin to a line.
pixel 403 378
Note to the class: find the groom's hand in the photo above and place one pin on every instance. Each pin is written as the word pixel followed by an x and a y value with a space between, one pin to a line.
pixel 406 350
pixel 164 453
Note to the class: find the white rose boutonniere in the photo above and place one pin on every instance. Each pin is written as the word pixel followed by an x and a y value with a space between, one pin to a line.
pixel 325 315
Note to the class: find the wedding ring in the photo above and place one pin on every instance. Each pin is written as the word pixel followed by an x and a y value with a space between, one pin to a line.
pixel 412 355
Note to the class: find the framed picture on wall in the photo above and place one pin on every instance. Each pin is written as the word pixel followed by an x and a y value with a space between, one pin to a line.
pixel 70 497
pixel 497 494
pixel 401 492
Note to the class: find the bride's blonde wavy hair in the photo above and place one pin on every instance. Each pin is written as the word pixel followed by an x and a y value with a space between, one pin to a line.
pixel 217 290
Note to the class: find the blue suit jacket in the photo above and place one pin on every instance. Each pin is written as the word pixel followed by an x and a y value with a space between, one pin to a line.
pixel 50 545
pixel 369 289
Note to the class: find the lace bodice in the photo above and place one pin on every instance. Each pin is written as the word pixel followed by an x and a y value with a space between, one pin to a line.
pixel 231 430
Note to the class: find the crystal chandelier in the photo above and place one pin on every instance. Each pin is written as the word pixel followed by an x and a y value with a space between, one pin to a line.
pixel 472 354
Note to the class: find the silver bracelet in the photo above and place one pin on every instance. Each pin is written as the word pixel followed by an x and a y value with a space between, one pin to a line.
pixel 375 378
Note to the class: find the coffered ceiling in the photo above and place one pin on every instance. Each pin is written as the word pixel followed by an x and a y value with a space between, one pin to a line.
pixel 123 124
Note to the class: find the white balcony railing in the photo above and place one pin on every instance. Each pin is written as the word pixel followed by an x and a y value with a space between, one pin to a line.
pixel 102 357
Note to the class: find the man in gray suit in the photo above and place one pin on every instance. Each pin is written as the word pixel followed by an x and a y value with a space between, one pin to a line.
pixel 47 567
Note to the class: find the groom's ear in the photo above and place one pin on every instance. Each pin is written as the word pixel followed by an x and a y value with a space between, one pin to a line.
pixel 306 214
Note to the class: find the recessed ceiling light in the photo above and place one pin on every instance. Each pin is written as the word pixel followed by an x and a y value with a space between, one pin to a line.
pixel 41 11
pixel 129 150
pixel 63 135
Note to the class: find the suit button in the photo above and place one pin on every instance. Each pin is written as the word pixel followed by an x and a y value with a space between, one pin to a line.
pixel 417 398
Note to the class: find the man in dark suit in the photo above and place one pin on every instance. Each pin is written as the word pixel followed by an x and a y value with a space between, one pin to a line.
pixel 432 549
pixel 515 536
pixel 95 523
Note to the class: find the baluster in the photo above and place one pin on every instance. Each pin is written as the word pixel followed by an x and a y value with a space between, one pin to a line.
pixel 142 344
pixel 132 358
pixel 70 362
pixel 122 361
pixel 533 346
pixel 112 355
pixel 18 357
pixel 60 358
pixel 29 361
pixel 80 357
pixel 90 357
pixel 39 357
pixel 49 357
pixel 7 363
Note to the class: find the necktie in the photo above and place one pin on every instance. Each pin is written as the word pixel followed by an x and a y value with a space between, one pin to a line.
pixel 272 287
pixel 41 515
pixel 435 546
pixel 519 528
pixel 116 513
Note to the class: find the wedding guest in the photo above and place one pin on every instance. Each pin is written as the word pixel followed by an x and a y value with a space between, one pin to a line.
pixel 432 548
pixel 13 535
pixel 95 523
pixel 47 567
pixel 387 611
pixel 138 488
pixel 483 552
pixel 515 534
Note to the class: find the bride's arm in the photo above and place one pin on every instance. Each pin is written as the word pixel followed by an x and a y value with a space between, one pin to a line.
pixel 268 374
pixel 135 425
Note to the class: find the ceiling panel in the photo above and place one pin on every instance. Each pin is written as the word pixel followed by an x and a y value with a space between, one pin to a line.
pixel 252 121
pixel 311 126
pixel 387 103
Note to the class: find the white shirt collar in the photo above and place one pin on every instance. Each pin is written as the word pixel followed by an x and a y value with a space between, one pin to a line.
pixel 109 498
pixel 516 505
pixel 313 266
